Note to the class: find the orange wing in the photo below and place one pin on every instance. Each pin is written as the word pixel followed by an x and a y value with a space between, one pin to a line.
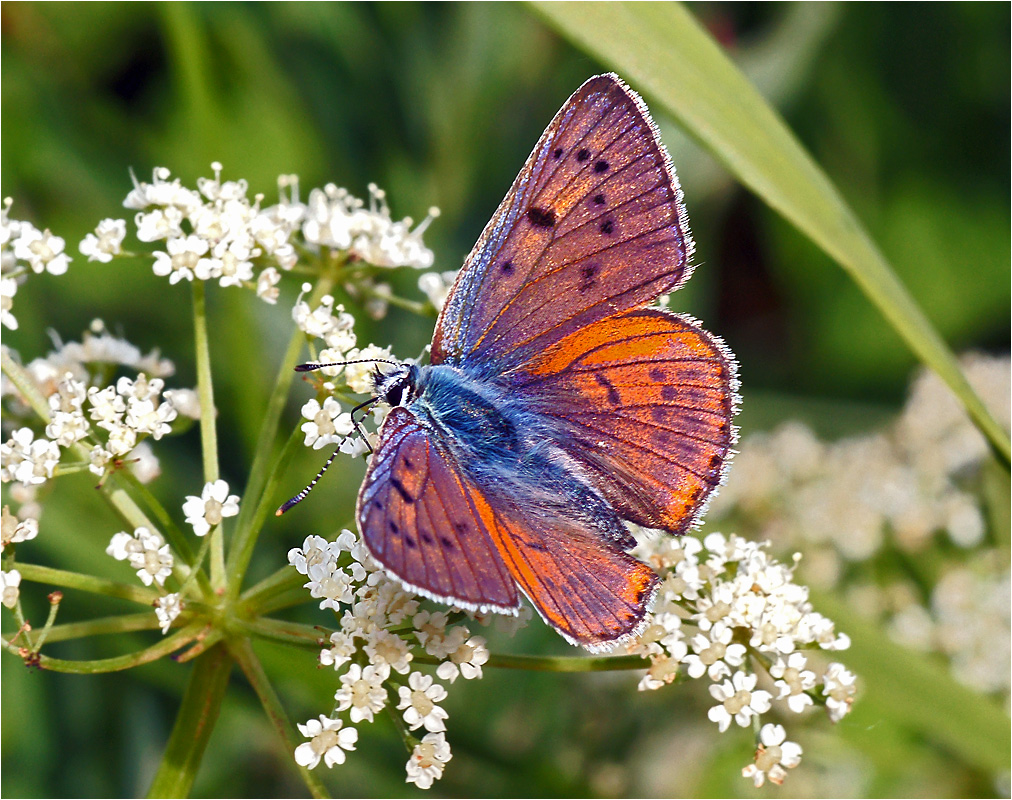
pixel 584 586
pixel 648 398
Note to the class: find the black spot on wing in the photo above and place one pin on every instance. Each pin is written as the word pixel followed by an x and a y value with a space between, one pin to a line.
pixel 601 166
pixel 541 217
pixel 607 226
pixel 669 392
pixel 599 199
pixel 506 268
pixel 657 374
pixel 613 396
pixel 557 154
pixel 404 493
pixel 583 154
pixel 587 277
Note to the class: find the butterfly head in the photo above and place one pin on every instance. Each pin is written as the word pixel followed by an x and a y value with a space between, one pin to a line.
pixel 397 387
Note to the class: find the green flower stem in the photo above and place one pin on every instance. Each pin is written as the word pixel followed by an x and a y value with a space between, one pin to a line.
pixel 24 384
pixel 208 424
pixel 47 629
pixel 195 721
pixel 291 633
pixel 283 580
pixel 247 660
pixel 118 663
pixel 255 499
pixel 175 536
pixel 207 640
pixel 121 623
pixel 88 583
pixel 406 736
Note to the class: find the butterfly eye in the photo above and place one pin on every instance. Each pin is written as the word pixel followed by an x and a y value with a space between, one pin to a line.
pixel 394 394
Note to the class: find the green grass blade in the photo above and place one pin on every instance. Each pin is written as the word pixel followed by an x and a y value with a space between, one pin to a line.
pixel 664 52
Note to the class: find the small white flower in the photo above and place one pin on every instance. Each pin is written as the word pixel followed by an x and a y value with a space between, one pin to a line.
pixel 428 760
pixel 147 553
pixel 418 702
pixel 714 654
pixel 385 648
pixel 8 288
pixel 14 530
pixel 105 242
pixel 739 701
pixel 328 424
pixel 208 510
pixel 362 691
pixel 167 608
pixel 793 681
pixel 181 259
pixel 42 250
pixel 663 670
pixel 839 688
pixel 328 741
pixel 342 648
pixel 466 659
pixel 9 591
pixel 28 460
pixel 436 286
pixel 267 285
pixel 773 757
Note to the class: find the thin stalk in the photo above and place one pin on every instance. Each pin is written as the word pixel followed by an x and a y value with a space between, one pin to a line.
pixel 281 581
pixel 246 532
pixel 276 630
pixel 87 583
pixel 208 426
pixel 247 660
pixel 118 663
pixel 120 623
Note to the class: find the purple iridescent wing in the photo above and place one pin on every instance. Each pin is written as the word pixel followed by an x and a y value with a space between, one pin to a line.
pixel 593 225
pixel 419 520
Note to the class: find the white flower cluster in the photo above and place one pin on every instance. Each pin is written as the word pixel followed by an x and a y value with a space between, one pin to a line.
pixel 745 610
pixel 907 487
pixel 24 249
pixel 381 630
pixel 113 420
pixel 217 233
pixel 328 423
pixel 334 218
pixel 146 552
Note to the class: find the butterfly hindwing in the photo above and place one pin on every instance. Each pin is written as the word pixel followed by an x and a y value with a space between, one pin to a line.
pixel 593 225
pixel 583 585
pixel 646 398
pixel 419 521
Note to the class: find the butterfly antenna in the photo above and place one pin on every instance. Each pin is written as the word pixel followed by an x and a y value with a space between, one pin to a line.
pixel 311 367
pixel 302 495
pixel 358 426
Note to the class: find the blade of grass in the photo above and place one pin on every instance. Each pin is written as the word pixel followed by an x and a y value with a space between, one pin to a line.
pixel 664 52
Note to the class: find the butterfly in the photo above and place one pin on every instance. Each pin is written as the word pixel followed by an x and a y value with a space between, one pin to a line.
pixel 558 404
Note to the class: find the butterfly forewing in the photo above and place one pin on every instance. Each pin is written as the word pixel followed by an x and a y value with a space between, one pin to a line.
pixel 418 520
pixel 593 225
pixel 646 399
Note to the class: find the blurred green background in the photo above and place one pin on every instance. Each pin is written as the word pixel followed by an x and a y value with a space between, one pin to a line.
pixel 906 106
